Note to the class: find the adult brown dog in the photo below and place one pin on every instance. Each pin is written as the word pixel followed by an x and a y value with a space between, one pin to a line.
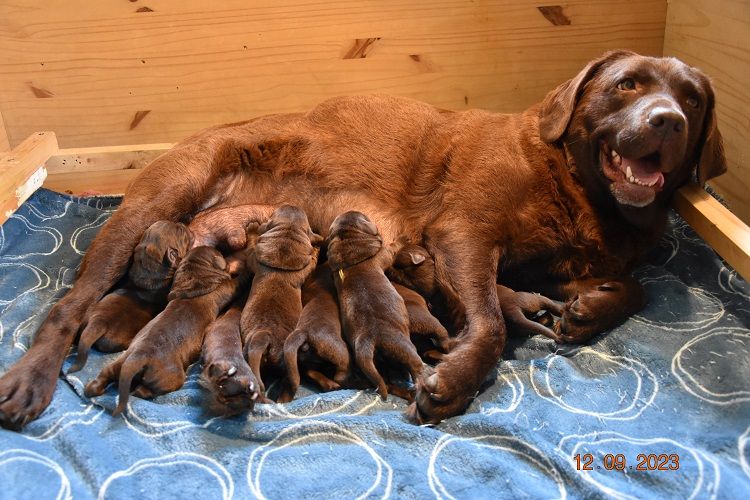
pixel 539 191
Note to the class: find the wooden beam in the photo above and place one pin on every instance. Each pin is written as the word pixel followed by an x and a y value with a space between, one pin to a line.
pixel 721 229
pixel 105 158
pixel 22 171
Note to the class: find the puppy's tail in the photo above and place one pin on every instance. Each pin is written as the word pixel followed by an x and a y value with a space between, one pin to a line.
pixel 364 354
pixel 292 345
pixel 90 335
pixel 255 349
pixel 127 373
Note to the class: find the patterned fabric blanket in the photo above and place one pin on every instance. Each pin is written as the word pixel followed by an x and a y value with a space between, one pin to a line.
pixel 659 407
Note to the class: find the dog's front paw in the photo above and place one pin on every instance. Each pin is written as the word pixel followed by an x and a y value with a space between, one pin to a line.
pixel 25 391
pixel 441 393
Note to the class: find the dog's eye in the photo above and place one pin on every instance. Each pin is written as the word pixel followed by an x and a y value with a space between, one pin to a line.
pixel 626 84
pixel 692 102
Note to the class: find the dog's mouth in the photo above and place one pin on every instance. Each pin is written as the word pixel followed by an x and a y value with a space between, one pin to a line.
pixel 635 181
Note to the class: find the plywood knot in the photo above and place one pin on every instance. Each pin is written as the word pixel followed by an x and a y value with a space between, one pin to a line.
pixel 554 14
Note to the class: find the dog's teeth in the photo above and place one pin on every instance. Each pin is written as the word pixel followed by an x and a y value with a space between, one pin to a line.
pixel 254 396
pixel 232 371
pixel 629 173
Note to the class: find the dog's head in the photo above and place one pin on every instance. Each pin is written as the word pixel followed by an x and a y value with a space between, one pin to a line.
pixel 352 238
pixel 201 271
pixel 158 254
pixel 637 128
pixel 414 267
pixel 286 240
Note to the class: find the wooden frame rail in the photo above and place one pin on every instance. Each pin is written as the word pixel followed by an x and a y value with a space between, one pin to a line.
pixel 109 170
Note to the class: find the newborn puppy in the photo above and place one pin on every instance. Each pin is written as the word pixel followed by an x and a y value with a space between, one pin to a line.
pixel 225 371
pixel 226 227
pixel 414 270
pixel 373 314
pixel 155 362
pixel 282 259
pixel 319 328
pixel 120 315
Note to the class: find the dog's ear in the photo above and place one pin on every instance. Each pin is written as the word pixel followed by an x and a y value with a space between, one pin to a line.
pixel 315 238
pixel 367 226
pixel 199 276
pixel 711 160
pixel 558 106
pixel 287 254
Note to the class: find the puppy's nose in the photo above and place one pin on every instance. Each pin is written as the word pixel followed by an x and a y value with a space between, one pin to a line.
pixel 667 119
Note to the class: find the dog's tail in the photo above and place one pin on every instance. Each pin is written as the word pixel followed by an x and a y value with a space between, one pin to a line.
pixel 93 332
pixel 255 349
pixel 292 346
pixel 364 354
pixel 127 373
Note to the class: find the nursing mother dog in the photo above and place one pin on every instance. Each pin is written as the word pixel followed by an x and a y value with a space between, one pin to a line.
pixel 563 198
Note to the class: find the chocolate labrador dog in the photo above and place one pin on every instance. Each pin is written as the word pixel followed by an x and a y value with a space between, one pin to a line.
pixel 564 198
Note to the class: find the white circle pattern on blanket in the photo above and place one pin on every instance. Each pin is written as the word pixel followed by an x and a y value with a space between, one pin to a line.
pixel 23 463
pixel 198 475
pixel 309 443
pixel 706 365
pixel 448 469
pixel 585 382
pixel 704 307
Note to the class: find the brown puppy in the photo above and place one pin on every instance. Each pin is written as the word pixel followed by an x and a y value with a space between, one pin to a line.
pixel 119 316
pixel 225 371
pixel 318 334
pixel 156 360
pixel 544 196
pixel 373 315
pixel 281 260
pixel 413 274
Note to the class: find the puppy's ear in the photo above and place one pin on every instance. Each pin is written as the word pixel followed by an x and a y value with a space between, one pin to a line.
pixel 315 238
pixel 287 254
pixel 368 226
pixel 199 274
pixel 416 258
pixel 711 160
pixel 558 106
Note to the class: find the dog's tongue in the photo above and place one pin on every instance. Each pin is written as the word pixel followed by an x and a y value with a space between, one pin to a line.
pixel 645 170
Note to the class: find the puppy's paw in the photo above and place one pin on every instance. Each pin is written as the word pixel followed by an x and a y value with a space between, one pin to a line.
pixel 25 391
pixel 233 384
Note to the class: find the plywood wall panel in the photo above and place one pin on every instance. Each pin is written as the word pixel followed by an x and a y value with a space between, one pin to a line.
pixel 102 73
pixel 714 35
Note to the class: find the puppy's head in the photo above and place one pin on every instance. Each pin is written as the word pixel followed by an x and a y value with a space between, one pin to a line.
pixel 637 127
pixel 286 240
pixel 414 267
pixel 158 254
pixel 201 271
pixel 352 239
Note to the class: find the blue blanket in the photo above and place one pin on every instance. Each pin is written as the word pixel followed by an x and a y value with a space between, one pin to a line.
pixel 670 388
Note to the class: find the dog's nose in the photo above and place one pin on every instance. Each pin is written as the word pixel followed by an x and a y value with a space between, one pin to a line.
pixel 667 119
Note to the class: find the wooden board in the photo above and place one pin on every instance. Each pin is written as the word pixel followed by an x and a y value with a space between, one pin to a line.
pixel 714 35
pixel 105 158
pixel 4 144
pixel 102 182
pixel 721 229
pixel 128 72
pixel 22 171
